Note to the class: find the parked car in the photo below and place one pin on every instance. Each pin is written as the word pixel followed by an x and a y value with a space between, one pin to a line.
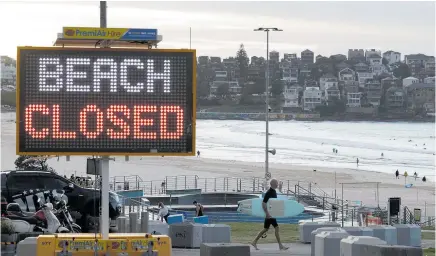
pixel 19 186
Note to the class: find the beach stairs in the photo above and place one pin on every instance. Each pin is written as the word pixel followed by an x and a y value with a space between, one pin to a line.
pixel 314 196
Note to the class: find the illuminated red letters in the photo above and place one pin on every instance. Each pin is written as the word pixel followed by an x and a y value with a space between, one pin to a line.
pixel 138 122
pixel 164 134
pixel 83 119
pixel 57 134
pixel 121 116
pixel 118 121
pixel 43 109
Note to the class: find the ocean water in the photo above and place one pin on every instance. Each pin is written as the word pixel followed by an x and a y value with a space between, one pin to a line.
pixel 406 146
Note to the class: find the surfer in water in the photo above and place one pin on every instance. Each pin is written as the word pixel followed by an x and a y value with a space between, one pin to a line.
pixel 271 193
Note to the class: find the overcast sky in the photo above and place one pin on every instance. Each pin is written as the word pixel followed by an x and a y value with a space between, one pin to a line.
pixel 219 27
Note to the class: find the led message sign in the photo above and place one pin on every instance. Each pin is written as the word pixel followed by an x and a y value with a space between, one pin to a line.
pixel 105 101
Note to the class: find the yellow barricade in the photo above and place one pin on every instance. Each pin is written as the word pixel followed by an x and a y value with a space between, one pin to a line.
pixel 117 244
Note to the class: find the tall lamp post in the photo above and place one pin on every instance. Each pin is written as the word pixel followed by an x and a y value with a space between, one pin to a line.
pixel 267 30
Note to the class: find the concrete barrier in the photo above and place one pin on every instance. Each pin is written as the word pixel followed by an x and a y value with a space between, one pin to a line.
pixel 392 250
pixel 216 233
pixel 156 227
pixel 133 222
pixel 386 233
pixel 186 235
pixel 354 245
pixel 359 231
pixel 220 249
pixel 122 224
pixel 27 247
pixel 144 222
pixel 327 243
pixel 408 234
pixel 316 232
pixel 305 229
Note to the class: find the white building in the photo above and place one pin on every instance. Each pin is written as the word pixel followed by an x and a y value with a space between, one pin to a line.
pixel 290 94
pixel 323 80
pixel 429 80
pixel 311 98
pixel 332 93
pixel 353 99
pixel 392 57
pixel 362 77
pixel 410 80
pixel 372 52
pixel 347 74
pixel 221 79
pixel 8 72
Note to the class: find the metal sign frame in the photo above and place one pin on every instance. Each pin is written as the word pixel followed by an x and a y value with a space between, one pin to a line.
pixel 194 99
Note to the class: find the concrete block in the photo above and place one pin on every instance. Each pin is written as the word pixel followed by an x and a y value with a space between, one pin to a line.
pixel 156 227
pixel 216 233
pixel 133 222
pixel 27 247
pixel 144 222
pixel 224 249
pixel 386 233
pixel 305 229
pixel 359 231
pixel 354 245
pixel 316 232
pixel 392 250
pixel 122 224
pixel 186 235
pixel 328 243
pixel 408 234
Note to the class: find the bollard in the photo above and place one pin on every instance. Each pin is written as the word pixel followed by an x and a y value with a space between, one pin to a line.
pixel 133 222
pixel 121 224
pixel 144 222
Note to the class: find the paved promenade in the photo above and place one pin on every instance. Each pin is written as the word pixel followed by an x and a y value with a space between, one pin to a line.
pixel 296 249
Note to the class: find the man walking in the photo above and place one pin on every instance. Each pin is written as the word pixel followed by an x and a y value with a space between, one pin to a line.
pixel 271 193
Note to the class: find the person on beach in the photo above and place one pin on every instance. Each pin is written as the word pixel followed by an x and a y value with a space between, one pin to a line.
pixel 163 212
pixel 271 193
pixel 198 209
pixel 357 161
pixel 424 179
pixel 397 174
pixel 415 175
pixel 198 153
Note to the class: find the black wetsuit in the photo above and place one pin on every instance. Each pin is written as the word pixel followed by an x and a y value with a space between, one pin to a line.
pixel 200 210
pixel 271 193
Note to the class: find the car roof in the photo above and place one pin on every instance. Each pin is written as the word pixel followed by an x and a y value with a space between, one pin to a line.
pixel 26 171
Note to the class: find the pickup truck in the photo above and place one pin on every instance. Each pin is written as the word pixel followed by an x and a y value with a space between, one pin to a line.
pixel 20 186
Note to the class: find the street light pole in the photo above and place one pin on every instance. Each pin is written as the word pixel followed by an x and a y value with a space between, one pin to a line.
pixel 267 30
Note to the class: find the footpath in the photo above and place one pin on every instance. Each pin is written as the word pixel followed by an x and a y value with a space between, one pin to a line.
pixel 295 249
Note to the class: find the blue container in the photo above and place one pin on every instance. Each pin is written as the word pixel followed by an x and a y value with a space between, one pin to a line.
pixel 176 218
pixel 201 220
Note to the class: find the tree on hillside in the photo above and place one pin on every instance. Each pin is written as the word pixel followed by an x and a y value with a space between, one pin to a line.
pixel 385 61
pixel 402 71
pixel 242 62
pixel 277 87
pixel 223 90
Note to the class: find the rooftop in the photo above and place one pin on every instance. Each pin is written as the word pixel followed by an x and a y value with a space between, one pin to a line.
pixel 421 86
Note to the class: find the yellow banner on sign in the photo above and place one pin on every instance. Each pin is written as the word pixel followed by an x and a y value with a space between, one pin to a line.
pixel 94 33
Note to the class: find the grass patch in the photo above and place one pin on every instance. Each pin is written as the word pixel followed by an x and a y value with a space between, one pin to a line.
pixel 429 252
pixel 246 232
pixel 428 235
pixel 428 228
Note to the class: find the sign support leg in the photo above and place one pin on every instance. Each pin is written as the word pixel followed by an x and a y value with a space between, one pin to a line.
pixel 104 217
